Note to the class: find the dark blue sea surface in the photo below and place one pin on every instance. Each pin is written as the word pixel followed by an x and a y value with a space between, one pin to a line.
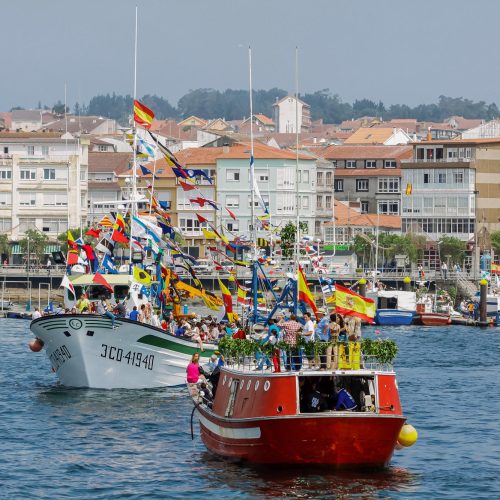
pixel 67 443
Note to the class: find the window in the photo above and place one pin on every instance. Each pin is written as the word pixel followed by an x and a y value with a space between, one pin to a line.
pixel 233 201
pixel 49 174
pixel 427 178
pixel 388 207
pixel 362 185
pixel 305 176
pixel 319 201
pixel 55 199
pixel 285 202
pixel 233 225
pixel 5 199
pixel 27 174
pixel 102 148
pixel 262 176
pixel 5 174
pixel 232 175
pixel 265 198
pixel 305 201
pixel 45 150
pixel 27 199
pixel 388 185
pixel 329 177
pixel 5 225
pixel 350 164
pixel 328 201
pixel 441 178
pixel 26 223
pixel 370 163
pixel 190 225
pixel 364 207
pixel 339 185
pixel 83 174
pixel 30 150
pixel 390 164
pixel 6 150
pixel 458 177
pixel 285 178
pixel 83 200
pixel 319 178
pixel 56 226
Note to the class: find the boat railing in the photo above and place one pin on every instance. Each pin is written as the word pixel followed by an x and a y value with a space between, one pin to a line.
pixel 285 361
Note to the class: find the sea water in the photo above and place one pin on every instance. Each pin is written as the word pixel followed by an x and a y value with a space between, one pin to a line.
pixel 65 443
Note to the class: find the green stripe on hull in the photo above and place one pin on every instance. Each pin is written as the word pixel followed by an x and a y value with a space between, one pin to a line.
pixel 173 346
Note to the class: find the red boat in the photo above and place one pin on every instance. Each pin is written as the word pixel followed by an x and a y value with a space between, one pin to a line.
pixel 434 319
pixel 262 417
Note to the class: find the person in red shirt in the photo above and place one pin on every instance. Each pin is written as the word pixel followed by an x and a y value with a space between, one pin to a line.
pixel 291 329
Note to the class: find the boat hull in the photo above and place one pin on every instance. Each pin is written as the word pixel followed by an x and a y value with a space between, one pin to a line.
pixel 394 317
pixel 434 319
pixel 342 440
pixel 85 351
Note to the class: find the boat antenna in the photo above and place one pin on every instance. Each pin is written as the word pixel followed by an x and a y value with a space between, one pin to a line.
pixel 133 207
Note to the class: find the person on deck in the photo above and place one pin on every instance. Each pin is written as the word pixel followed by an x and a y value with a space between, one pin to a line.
pixel 292 329
pixel 83 304
pixel 308 334
pixel 322 334
pixel 104 309
pixel 134 314
pixel 194 373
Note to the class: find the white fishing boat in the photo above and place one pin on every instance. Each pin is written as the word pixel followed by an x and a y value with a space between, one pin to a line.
pixel 86 351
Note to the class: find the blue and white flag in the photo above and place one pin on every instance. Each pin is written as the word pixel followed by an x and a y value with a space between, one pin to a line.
pixel 255 187
pixel 147 147
pixel 108 265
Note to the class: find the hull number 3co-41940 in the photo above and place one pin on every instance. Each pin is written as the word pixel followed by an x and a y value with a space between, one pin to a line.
pixel 131 358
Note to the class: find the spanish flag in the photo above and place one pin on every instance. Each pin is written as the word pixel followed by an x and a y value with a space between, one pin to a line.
pixel 350 303
pixel 143 116
pixel 305 294
pixel 495 268
pixel 409 189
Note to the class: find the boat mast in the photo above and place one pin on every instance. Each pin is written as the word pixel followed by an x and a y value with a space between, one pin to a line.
pixel 297 191
pixel 133 207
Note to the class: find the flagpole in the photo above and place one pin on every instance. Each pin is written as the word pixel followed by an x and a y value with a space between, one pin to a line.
pixel 252 160
pixel 133 206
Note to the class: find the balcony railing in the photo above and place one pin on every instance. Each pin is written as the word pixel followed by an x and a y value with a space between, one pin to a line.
pixel 438 160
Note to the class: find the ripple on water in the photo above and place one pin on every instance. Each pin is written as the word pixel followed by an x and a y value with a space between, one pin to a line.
pixel 58 442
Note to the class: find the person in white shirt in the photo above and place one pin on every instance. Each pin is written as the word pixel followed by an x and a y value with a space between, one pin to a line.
pixel 36 314
pixel 308 334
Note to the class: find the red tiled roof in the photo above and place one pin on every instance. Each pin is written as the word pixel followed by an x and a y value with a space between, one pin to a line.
pixel 345 216
pixel 109 162
pixel 355 152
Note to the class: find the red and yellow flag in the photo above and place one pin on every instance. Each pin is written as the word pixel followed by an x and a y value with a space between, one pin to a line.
pixel 143 116
pixel 350 303
pixel 228 300
pixel 305 294
pixel 495 268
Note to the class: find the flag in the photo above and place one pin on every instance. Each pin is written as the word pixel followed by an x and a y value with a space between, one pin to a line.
pixel 228 300
pixel 100 280
pixel 349 303
pixel 186 187
pixel 409 189
pixel 71 241
pixel 119 237
pixel 93 232
pixel 208 234
pixel 262 243
pixel 105 245
pixel 146 171
pixel 242 296
pixel 165 205
pixel 201 219
pixel 180 172
pixel 230 213
pixel 255 187
pixel 495 268
pixel 119 223
pixel 143 116
pixel 141 276
pixel 106 222
pixel 66 283
pixel 146 146
pixel 305 294
pixel 109 265
pixel 197 172
pixel 202 201
pixel 169 156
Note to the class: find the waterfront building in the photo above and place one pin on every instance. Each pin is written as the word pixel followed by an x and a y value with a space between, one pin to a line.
pixel 367 174
pixel 43 183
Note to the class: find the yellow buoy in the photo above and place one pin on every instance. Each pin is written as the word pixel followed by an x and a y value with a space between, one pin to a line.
pixel 407 436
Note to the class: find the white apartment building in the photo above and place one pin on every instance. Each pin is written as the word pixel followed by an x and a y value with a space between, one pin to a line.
pixel 290 114
pixel 43 183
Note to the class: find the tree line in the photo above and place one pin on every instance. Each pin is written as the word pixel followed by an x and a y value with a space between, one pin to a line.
pixel 234 105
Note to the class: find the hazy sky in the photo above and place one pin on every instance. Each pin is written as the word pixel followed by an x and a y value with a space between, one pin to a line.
pixel 399 51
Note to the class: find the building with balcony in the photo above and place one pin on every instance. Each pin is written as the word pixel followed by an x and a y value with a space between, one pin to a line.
pixel 43 183
pixel 368 175
pixel 290 114
pixel 442 178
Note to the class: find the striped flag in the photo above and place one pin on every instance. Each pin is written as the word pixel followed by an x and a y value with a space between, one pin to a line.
pixel 305 294
pixel 143 116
